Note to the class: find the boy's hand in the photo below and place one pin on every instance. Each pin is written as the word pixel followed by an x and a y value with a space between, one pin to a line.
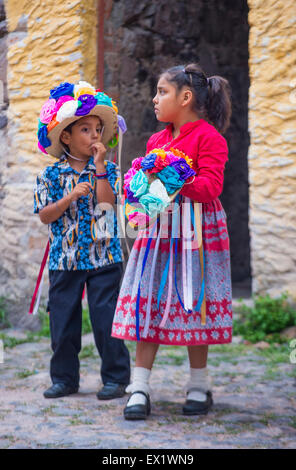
pixel 81 189
pixel 99 151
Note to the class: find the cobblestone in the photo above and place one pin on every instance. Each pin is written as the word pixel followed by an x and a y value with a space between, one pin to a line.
pixel 254 403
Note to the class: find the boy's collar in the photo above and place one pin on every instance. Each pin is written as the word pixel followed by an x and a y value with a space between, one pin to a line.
pixel 65 166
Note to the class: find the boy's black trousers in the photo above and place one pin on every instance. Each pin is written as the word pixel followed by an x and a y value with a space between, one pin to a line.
pixel 65 307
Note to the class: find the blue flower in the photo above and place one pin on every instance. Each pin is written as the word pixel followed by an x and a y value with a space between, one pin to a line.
pixel 62 89
pixel 42 137
pixel 152 204
pixel 148 161
pixel 170 179
pixel 139 184
pixel 103 99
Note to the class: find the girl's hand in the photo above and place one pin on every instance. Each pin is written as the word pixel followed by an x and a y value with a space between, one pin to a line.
pixel 81 189
pixel 99 152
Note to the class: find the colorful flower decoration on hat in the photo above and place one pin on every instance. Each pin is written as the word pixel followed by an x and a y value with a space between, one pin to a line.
pixel 114 106
pixel 69 100
pixel 42 137
pixel 62 100
pixel 64 88
pixel 67 110
pixel 88 102
pixel 152 183
pixel 83 88
pixel 48 110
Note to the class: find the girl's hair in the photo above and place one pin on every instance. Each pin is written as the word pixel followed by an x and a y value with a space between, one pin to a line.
pixel 212 95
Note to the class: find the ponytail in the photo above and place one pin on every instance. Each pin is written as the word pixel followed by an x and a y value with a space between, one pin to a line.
pixel 218 103
pixel 212 95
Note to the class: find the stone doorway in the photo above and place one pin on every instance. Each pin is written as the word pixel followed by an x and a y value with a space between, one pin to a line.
pixel 142 38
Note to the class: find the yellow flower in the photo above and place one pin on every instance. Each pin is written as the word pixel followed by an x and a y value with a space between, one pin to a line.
pixel 83 91
pixel 83 88
pixel 160 152
pixel 114 106
pixel 181 154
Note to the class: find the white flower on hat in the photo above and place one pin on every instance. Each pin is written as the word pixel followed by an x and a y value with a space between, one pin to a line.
pixel 83 88
pixel 67 110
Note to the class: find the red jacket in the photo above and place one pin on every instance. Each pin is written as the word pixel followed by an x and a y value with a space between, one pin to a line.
pixel 209 152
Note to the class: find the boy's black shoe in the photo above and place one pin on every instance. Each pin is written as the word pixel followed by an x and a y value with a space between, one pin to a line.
pixel 193 407
pixel 111 390
pixel 59 390
pixel 134 412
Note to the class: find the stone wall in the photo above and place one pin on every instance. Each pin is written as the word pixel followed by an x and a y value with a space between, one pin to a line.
pixel 47 42
pixel 272 153
pixel 3 87
pixel 145 37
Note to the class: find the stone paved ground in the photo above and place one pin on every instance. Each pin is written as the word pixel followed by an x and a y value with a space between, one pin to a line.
pixel 254 393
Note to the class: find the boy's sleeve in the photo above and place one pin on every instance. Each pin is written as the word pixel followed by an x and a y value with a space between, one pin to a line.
pixel 113 175
pixel 42 193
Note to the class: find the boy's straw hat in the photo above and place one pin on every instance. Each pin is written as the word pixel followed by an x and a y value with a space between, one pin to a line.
pixel 69 102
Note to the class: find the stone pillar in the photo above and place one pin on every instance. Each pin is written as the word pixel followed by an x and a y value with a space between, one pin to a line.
pixel 272 153
pixel 48 42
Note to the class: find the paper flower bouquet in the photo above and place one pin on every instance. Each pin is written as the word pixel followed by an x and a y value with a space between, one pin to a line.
pixel 153 182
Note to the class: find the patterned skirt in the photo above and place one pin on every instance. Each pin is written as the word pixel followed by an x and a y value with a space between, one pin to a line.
pixel 181 326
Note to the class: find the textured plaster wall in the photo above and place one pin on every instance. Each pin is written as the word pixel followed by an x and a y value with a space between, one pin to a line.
pixel 48 42
pixel 272 153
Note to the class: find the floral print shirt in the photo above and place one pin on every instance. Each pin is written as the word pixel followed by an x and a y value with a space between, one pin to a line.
pixel 84 237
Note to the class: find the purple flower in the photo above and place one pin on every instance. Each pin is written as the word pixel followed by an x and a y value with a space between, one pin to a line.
pixel 130 196
pixel 183 169
pixel 148 161
pixel 62 89
pixel 88 102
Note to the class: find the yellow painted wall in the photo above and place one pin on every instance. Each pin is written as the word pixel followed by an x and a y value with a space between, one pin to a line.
pixel 272 153
pixel 60 45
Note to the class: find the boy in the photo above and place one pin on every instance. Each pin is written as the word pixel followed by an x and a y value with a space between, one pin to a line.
pixel 75 197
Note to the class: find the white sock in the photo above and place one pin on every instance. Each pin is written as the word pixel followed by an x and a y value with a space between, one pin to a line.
pixel 198 384
pixel 140 383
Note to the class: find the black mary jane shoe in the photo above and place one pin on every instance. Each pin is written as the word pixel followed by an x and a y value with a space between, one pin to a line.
pixel 135 412
pixel 59 390
pixel 194 407
pixel 111 390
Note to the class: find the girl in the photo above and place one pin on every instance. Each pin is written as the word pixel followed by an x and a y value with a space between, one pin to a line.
pixel 198 110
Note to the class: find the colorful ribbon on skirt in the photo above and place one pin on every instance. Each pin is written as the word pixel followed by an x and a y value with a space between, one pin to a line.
pixel 191 215
pixel 150 289
pixel 139 285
